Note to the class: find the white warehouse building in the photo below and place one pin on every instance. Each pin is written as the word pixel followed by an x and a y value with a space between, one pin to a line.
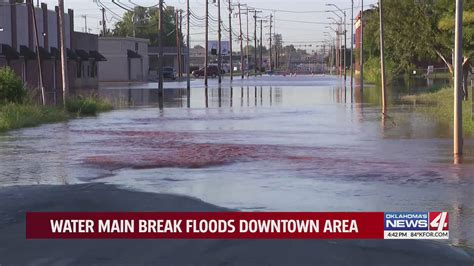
pixel 127 59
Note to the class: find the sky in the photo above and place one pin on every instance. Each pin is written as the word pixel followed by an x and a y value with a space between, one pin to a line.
pixel 289 17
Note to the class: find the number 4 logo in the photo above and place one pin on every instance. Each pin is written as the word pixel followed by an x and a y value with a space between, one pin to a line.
pixel 439 221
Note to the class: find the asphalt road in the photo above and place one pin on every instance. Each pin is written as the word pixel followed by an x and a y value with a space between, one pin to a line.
pixel 16 250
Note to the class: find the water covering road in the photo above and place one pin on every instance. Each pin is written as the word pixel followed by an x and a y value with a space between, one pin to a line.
pixel 267 144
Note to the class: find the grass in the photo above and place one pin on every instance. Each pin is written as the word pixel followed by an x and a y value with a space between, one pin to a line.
pixel 15 116
pixel 87 106
pixel 440 105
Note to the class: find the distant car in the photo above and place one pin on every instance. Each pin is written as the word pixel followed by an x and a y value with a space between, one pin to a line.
pixel 212 71
pixel 169 73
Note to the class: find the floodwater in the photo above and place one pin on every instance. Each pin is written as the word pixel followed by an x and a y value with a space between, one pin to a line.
pixel 265 144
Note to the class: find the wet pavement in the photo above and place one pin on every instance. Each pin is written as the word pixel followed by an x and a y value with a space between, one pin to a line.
pixel 267 144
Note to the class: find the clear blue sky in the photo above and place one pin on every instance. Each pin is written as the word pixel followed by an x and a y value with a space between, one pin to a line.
pixel 287 23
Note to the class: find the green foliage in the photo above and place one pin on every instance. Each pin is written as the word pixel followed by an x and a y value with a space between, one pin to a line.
pixel 11 86
pixel 14 116
pixel 417 31
pixel 372 70
pixel 439 105
pixel 146 25
pixel 87 106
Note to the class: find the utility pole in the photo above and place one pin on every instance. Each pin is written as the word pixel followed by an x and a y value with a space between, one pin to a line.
pixel 261 46
pixel 188 77
pixel 458 134
pixel 206 57
pixel 85 23
pixel 248 45
pixel 345 48
pixel 341 73
pixel 352 46
pixel 230 40
pixel 160 51
pixel 219 43
pixel 241 37
pixel 104 23
pixel 382 59
pixel 178 41
pixel 271 61
pixel 362 45
pixel 38 56
pixel 255 40
pixel 62 44
pixel 338 65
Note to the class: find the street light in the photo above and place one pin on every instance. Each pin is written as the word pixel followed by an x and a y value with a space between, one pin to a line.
pixel 345 33
pixel 337 48
pixel 334 12
pixel 335 21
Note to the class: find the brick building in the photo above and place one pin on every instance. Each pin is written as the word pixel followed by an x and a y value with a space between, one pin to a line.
pixel 18 49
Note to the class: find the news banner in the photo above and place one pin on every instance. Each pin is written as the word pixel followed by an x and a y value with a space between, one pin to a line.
pixel 238 225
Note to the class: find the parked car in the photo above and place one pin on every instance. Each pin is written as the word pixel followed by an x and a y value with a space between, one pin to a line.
pixel 212 71
pixel 169 73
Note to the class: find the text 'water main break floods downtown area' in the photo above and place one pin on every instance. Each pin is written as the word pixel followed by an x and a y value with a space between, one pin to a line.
pixel 228 132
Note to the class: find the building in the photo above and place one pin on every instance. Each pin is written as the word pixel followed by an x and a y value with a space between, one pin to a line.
pixel 127 59
pixel 197 56
pixel 170 59
pixel 18 49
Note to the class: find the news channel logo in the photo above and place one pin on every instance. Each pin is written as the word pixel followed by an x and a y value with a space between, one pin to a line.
pixel 416 225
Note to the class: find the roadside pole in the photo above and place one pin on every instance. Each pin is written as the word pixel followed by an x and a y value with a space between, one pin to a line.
pixel 160 52
pixel 255 40
pixel 62 44
pixel 219 44
pixel 458 134
pixel 345 49
pixel 178 41
pixel 104 23
pixel 352 47
pixel 242 63
pixel 230 40
pixel 206 53
pixel 362 45
pixel 188 44
pixel 38 56
pixel 181 63
pixel 382 59
pixel 261 47
pixel 270 49
pixel 248 46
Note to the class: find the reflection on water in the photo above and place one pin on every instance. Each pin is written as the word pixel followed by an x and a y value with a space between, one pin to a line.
pixel 178 98
pixel 313 146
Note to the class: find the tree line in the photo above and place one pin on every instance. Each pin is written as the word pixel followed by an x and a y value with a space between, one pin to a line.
pixel 418 33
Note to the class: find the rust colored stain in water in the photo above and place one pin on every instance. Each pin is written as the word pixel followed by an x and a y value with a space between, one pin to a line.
pixel 140 149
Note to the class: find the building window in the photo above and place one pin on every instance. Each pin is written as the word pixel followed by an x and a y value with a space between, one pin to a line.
pixel 136 46
pixel 88 71
pixel 83 70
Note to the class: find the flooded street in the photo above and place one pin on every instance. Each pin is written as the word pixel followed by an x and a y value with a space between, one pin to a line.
pixel 266 144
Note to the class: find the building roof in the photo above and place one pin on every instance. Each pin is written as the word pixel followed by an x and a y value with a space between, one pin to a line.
pixel 123 39
pixel 7 51
pixel 97 56
pixel 27 53
pixel 83 55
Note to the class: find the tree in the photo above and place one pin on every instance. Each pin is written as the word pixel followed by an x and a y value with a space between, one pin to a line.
pixel 407 34
pixel 443 28
pixel 146 25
